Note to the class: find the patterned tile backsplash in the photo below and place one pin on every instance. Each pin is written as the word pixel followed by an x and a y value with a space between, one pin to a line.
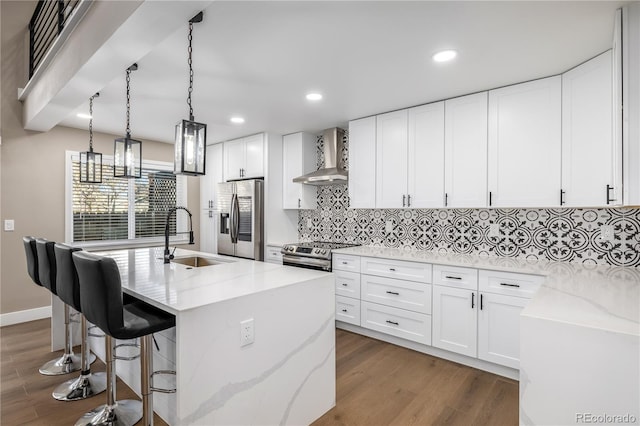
pixel 562 234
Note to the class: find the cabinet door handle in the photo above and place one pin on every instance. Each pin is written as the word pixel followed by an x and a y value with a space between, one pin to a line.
pixel 451 277
pixel 473 300
pixel 446 199
pixel 510 285
pixel 392 322
pixel 481 302
pixel 403 200
pixel 298 202
pixel 392 269
pixel 562 202
pixel 210 213
pixel 408 200
pixel 609 199
pixel 393 292
pixel 490 195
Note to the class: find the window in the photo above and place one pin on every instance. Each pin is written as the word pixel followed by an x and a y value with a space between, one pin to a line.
pixel 123 211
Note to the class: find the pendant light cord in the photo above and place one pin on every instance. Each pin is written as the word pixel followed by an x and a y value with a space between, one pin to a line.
pixel 190 62
pixel 128 100
pixel 91 123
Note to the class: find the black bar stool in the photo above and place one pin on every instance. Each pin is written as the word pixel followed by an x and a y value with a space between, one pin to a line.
pixel 68 362
pixel 68 288
pixel 32 258
pixel 101 300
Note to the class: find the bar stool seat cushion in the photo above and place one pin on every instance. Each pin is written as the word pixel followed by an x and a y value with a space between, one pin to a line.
pixel 102 300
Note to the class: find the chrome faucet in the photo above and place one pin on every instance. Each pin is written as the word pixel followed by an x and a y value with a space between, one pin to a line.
pixel 167 255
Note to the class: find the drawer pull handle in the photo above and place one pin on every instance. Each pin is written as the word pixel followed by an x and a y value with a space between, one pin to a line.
pixel 344 310
pixel 481 302
pixel 392 322
pixel 510 285
pixel 450 277
pixel 393 292
pixel 392 269
pixel 345 263
pixel 345 284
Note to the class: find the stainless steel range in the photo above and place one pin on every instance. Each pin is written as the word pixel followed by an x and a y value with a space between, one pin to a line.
pixel 313 255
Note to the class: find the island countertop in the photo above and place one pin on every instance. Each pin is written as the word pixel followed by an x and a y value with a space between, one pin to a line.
pixel 175 287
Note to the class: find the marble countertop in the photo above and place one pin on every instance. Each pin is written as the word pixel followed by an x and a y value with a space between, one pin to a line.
pixel 599 297
pixel 175 287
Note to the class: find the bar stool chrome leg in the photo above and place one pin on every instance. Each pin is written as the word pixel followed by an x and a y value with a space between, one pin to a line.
pixel 114 413
pixel 68 362
pixel 88 384
pixel 146 379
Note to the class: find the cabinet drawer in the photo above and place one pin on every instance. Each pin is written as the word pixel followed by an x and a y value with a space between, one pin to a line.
pixel 345 262
pixel 412 271
pixel 455 276
pixel 347 284
pixel 348 310
pixel 402 294
pixel 397 322
pixel 509 283
pixel 273 255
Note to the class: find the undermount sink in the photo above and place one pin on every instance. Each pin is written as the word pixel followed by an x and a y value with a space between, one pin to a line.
pixel 198 261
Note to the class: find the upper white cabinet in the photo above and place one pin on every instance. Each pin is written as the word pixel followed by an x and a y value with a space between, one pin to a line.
pixel 244 158
pixel 362 163
pixel 410 153
pixel 465 155
pixel 391 159
pixel 525 144
pixel 590 173
pixel 208 199
pixel 298 158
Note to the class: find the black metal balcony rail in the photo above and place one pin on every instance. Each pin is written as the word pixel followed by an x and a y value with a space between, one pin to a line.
pixel 47 22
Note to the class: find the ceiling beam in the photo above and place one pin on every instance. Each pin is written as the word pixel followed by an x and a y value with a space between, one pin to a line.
pixel 110 37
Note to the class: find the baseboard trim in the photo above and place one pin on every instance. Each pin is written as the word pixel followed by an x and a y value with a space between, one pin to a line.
pixel 25 316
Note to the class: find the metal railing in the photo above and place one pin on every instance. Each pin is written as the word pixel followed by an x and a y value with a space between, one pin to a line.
pixel 47 22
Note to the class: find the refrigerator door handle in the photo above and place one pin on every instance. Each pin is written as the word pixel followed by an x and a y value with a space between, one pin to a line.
pixel 234 218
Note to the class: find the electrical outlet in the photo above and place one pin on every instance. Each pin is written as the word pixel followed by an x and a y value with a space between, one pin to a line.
pixel 606 233
pixel 388 226
pixel 9 225
pixel 246 332
pixel 494 230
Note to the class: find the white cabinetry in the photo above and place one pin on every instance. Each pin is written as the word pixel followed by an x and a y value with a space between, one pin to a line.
pixel 208 199
pixel 298 158
pixel 455 319
pixel 244 158
pixel 466 151
pixel 590 159
pixel 346 270
pixel 362 163
pixel 273 254
pixel 409 157
pixel 503 296
pixel 525 144
pixel 396 298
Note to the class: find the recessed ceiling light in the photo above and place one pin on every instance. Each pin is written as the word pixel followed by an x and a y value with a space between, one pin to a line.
pixel 445 55
pixel 83 115
pixel 314 96
pixel 237 120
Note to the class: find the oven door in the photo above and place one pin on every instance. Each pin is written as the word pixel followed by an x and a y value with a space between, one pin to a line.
pixel 306 262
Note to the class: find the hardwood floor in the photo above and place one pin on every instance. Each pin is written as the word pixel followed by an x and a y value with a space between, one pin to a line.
pixel 382 384
pixel 376 384
pixel 25 394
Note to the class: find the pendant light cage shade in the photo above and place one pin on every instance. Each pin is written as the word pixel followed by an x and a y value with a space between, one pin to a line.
pixel 190 148
pixel 90 167
pixel 127 158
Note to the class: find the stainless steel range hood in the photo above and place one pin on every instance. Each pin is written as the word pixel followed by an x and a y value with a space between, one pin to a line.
pixel 333 171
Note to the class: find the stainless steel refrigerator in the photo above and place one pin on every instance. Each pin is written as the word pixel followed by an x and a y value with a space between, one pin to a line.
pixel 240 228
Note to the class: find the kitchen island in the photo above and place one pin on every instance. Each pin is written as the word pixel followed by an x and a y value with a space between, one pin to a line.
pixel 286 376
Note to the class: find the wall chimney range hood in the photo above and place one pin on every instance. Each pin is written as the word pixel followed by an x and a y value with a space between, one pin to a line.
pixel 333 172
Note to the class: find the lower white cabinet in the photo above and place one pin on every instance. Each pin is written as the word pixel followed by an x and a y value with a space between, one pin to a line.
pixel 347 284
pixel 273 254
pixel 348 310
pixel 499 328
pixel 396 322
pixel 401 294
pixel 455 320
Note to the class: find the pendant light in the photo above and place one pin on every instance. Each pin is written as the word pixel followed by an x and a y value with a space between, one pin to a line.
pixel 191 137
pixel 91 162
pixel 127 156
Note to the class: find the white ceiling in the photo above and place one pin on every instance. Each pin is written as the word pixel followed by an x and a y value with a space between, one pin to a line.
pixel 259 59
